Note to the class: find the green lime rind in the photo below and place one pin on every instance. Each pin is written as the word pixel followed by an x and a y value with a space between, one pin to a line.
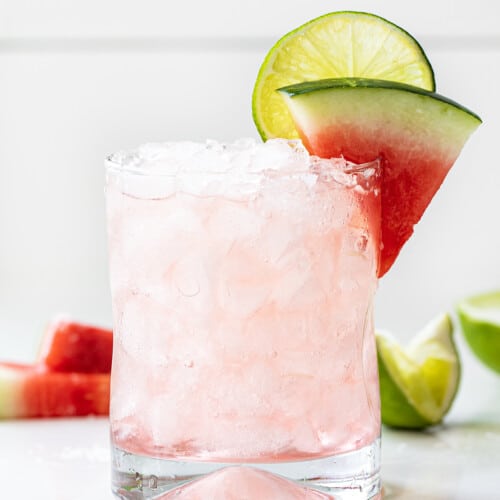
pixel 479 318
pixel 418 384
pixel 395 414
pixel 337 44
pixel 368 83
pixel 444 371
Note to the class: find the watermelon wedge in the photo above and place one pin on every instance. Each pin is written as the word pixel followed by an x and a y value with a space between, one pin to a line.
pixel 69 346
pixel 417 135
pixel 34 391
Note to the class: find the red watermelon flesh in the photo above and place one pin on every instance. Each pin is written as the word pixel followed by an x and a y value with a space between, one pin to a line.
pixel 28 391
pixel 69 346
pixel 416 134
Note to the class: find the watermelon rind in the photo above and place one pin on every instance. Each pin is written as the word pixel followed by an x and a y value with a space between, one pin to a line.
pixel 9 391
pixel 368 83
pixel 33 391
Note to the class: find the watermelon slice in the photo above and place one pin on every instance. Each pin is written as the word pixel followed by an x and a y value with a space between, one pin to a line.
pixel 34 391
pixel 416 134
pixel 69 346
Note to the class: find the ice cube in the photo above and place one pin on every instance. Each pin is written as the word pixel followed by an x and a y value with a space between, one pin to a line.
pixel 234 222
pixel 245 283
pixel 145 327
pixel 295 269
pixel 211 168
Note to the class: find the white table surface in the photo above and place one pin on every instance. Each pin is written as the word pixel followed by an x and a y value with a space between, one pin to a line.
pixel 68 459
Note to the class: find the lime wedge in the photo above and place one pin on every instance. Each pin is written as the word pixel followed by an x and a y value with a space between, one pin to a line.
pixel 480 320
pixel 418 383
pixel 336 45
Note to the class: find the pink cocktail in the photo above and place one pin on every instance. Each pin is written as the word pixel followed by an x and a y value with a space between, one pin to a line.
pixel 242 279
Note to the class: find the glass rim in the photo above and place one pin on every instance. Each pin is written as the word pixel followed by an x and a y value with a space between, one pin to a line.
pixel 121 163
pixel 130 162
pixel 350 168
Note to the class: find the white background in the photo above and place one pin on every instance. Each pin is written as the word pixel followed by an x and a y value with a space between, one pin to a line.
pixel 81 79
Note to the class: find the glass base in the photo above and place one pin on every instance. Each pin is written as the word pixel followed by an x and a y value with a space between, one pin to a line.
pixel 348 476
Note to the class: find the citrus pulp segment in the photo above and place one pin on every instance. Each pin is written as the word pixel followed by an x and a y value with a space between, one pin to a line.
pixel 418 383
pixel 416 134
pixel 480 320
pixel 339 44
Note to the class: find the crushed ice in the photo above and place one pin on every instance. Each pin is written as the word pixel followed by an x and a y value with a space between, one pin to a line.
pixel 214 168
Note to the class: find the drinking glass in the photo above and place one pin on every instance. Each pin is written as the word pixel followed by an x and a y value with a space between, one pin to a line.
pixel 242 280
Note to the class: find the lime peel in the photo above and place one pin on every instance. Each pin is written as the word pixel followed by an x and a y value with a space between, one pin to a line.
pixel 338 44
pixel 418 383
pixel 479 317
